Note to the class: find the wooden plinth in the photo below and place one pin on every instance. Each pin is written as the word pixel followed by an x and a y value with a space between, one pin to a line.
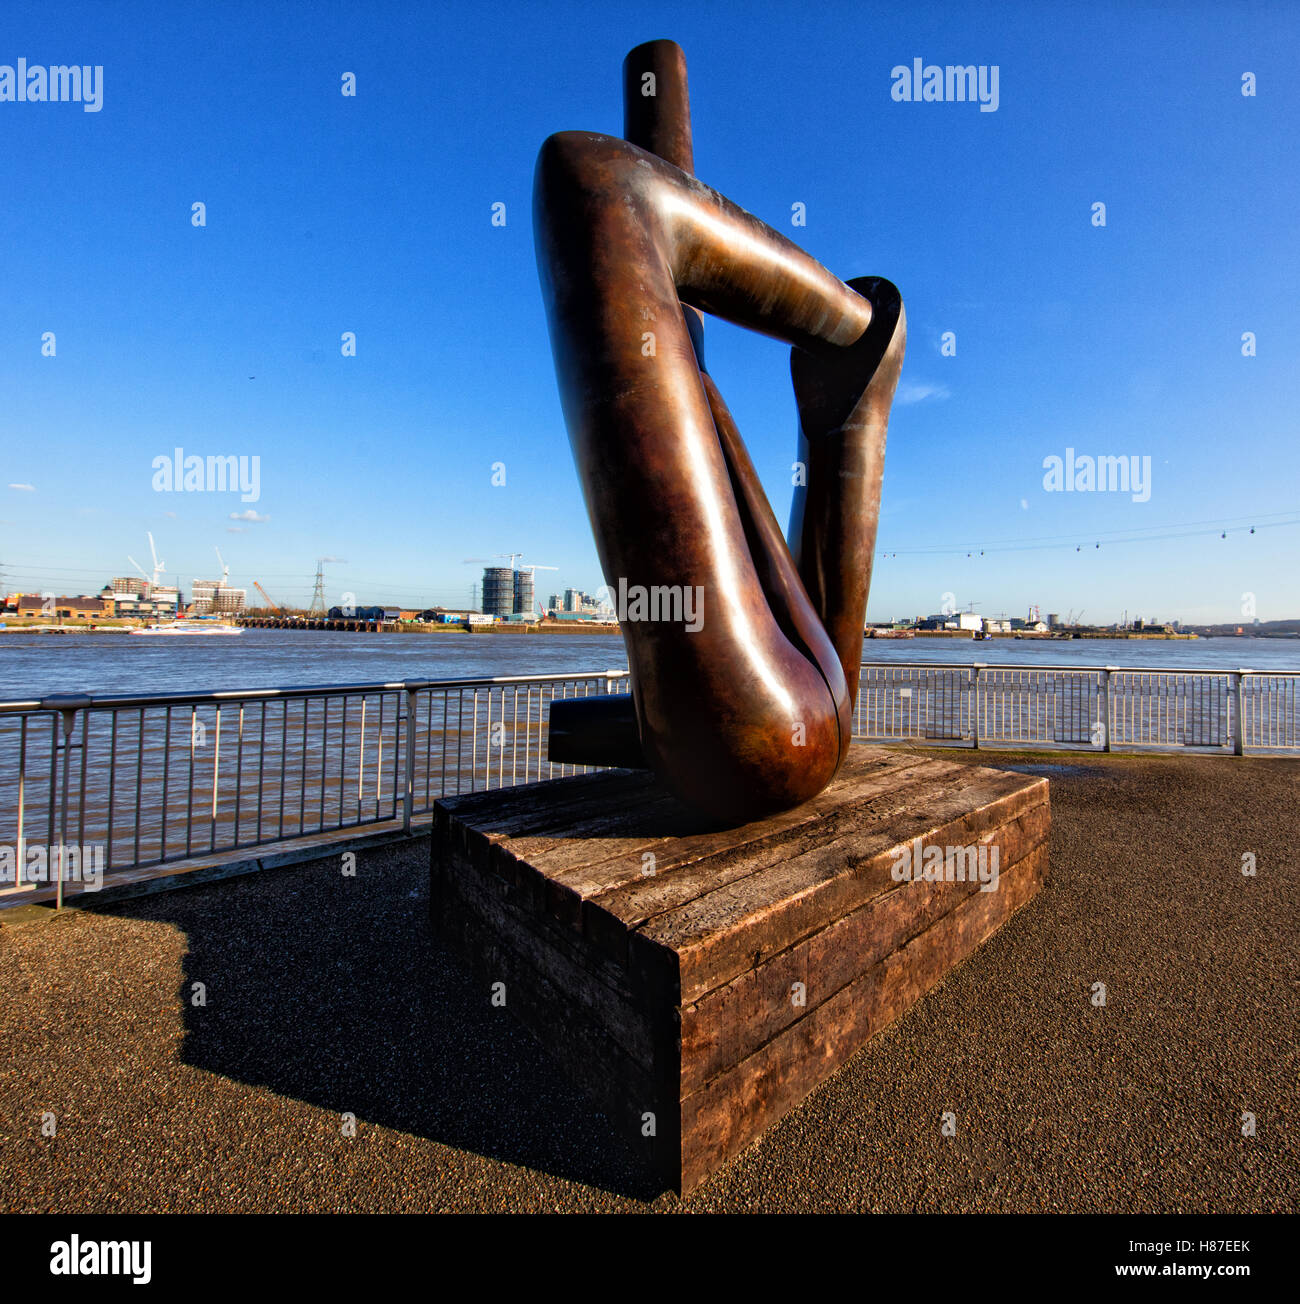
pixel 699 983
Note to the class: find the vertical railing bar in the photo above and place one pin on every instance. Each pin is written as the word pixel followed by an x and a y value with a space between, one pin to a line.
pixel 21 847
pixel 361 755
pixel 68 726
pixel 189 808
pixel 501 758
pixel 162 815
pixel 460 716
pixel 139 779
pixel 379 757
pixel 473 755
pixel 53 804
pixel 302 768
pixel 514 732
pixel 81 796
pixel 261 768
pixel 527 741
pixel 343 758
pixel 408 797
pixel 284 761
pixel 487 745
pixel 216 769
pixel 399 762
pixel 550 765
pixel 428 750
pixel 239 769
pixel 324 762
pixel 439 790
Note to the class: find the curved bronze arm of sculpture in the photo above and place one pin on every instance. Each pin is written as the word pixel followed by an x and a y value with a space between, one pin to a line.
pixel 742 703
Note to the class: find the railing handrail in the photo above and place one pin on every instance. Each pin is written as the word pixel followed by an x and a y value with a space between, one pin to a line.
pixel 1127 670
pixel 91 701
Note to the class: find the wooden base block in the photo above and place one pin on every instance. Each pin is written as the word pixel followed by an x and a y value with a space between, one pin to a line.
pixel 699 982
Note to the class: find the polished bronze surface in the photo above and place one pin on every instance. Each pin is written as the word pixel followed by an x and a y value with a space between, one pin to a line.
pixel 744 651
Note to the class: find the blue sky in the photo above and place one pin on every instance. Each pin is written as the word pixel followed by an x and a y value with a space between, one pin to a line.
pixel 372 214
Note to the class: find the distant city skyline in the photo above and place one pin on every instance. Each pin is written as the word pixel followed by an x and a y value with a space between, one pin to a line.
pixel 245 261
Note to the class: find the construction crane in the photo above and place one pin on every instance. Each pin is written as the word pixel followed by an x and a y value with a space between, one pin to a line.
pixel 511 557
pixel 270 602
pixel 225 570
pixel 159 568
pixel 487 561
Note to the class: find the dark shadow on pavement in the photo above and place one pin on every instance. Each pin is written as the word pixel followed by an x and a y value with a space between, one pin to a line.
pixel 332 990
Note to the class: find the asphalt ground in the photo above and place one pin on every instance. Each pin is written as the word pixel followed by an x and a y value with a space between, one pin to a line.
pixel 327 997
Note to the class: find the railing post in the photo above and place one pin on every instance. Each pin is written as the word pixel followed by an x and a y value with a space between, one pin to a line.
pixel 1239 715
pixel 1107 718
pixel 67 705
pixel 975 703
pixel 408 788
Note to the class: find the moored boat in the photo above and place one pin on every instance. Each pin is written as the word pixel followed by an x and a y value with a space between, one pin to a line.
pixel 185 627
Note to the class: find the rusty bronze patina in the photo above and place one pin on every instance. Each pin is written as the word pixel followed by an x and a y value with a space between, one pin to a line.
pixel 751 712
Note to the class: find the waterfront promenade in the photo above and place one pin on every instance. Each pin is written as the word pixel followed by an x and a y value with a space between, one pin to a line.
pixel 327 995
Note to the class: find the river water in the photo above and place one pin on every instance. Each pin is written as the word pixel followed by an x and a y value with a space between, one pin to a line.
pixel 32 664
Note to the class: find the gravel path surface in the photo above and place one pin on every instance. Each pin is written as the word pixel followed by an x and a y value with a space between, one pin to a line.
pixel 326 996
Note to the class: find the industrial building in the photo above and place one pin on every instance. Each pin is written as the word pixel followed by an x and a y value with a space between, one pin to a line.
pixel 524 593
pixel 36 605
pixel 142 599
pixel 383 614
pixel 216 597
pixel 498 590
pixel 507 591
pixel 574 602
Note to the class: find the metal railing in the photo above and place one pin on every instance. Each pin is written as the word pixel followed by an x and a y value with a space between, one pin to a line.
pixel 1096 708
pixel 152 779
pixel 141 780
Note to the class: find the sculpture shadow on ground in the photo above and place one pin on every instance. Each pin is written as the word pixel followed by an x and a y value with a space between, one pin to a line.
pixel 333 991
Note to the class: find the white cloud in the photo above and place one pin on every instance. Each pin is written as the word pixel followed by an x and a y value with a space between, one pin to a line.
pixel 913 391
pixel 234 529
pixel 250 515
pixel 24 488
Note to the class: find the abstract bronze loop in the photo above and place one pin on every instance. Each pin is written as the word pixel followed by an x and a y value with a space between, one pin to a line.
pixel 748 708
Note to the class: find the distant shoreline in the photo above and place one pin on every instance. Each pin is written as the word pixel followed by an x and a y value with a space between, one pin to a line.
pixel 575 628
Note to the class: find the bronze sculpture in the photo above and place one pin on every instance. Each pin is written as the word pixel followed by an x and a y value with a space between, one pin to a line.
pixel 746 710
